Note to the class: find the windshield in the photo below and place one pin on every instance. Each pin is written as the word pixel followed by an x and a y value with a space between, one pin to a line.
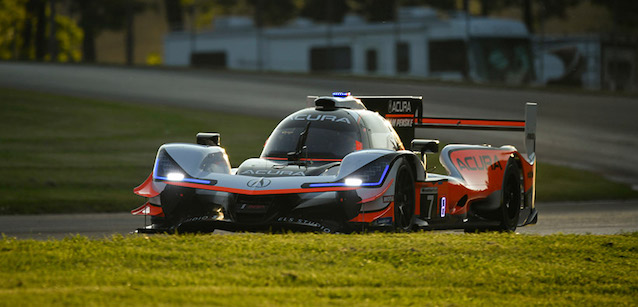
pixel 331 135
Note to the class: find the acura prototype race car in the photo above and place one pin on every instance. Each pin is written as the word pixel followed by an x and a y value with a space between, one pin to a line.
pixel 341 166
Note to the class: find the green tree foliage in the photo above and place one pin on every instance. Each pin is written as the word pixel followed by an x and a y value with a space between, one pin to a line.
pixel 69 39
pixel 264 12
pixel 17 34
pixel 12 16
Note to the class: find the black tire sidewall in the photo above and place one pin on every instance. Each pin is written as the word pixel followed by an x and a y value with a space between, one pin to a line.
pixel 511 180
pixel 400 181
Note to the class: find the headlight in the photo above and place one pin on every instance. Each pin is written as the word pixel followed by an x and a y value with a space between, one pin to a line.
pixel 175 176
pixel 353 182
pixel 167 169
pixel 372 174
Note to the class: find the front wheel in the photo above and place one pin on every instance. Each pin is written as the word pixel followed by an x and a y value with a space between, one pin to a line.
pixel 404 199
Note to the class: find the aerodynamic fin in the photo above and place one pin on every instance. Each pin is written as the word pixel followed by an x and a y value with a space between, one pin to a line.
pixel 146 188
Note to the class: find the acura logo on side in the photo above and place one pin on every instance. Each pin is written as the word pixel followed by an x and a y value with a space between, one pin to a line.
pixel 258 183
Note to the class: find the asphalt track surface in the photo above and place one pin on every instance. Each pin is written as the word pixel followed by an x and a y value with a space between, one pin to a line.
pixel 586 130
pixel 600 217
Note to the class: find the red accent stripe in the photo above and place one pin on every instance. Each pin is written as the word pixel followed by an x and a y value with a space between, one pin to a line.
pixel 473 122
pixel 302 159
pixel 378 195
pixel 258 192
pixel 371 216
pixel 399 116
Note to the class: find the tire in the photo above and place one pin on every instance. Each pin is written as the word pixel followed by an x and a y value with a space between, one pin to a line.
pixel 511 198
pixel 510 203
pixel 404 199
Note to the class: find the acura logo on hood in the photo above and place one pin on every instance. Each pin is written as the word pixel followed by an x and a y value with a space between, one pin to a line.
pixel 258 183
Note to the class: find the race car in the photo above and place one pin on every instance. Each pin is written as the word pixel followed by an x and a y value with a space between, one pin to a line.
pixel 340 166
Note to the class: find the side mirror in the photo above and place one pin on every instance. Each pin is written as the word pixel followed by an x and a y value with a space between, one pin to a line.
pixel 425 146
pixel 208 138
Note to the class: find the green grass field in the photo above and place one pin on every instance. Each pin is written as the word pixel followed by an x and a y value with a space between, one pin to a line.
pixel 66 154
pixel 418 269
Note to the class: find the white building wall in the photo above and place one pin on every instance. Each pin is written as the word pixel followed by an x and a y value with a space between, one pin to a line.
pixel 288 49
pixel 240 48
pixel 177 49
pixel 288 55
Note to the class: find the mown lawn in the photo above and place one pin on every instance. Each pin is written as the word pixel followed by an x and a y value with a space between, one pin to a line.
pixel 322 270
pixel 66 154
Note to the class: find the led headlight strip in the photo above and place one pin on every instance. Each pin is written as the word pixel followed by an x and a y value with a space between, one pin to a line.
pixel 351 181
pixel 177 174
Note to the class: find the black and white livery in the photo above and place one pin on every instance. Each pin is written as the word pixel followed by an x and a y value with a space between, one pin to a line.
pixel 334 167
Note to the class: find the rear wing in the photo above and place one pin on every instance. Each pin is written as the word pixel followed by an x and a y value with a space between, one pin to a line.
pixel 405 113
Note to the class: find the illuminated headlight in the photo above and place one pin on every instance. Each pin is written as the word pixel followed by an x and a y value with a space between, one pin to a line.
pixel 371 175
pixel 167 169
pixel 353 182
pixel 175 176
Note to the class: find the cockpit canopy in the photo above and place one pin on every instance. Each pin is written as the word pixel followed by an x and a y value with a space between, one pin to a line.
pixel 331 135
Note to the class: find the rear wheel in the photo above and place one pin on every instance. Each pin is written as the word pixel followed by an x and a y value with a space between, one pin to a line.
pixel 512 198
pixel 510 207
pixel 404 199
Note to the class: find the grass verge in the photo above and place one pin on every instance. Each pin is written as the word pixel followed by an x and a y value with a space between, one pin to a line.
pixel 65 154
pixel 322 270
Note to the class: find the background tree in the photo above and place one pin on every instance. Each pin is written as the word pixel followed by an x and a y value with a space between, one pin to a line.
pixel 624 14
pixel 12 18
pixel 174 14
pixel 535 11
pixel 331 11
pixel 375 11
pixel 97 16
pixel 34 37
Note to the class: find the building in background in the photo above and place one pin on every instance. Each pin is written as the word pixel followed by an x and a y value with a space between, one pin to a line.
pixel 419 44
pixel 588 61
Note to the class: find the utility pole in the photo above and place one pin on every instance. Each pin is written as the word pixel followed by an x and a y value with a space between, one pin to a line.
pixel 191 11
pixel 130 36
pixel 259 21
pixel 53 43
pixel 468 29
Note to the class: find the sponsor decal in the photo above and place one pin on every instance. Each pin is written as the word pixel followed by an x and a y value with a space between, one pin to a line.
pixel 429 190
pixel 402 106
pixel 258 183
pixel 443 205
pixel 304 222
pixel 401 122
pixel 475 163
pixel 253 208
pixel 200 219
pixel 384 221
pixel 272 172
pixel 322 117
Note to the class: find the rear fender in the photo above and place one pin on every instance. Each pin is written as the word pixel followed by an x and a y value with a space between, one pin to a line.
pixel 480 168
